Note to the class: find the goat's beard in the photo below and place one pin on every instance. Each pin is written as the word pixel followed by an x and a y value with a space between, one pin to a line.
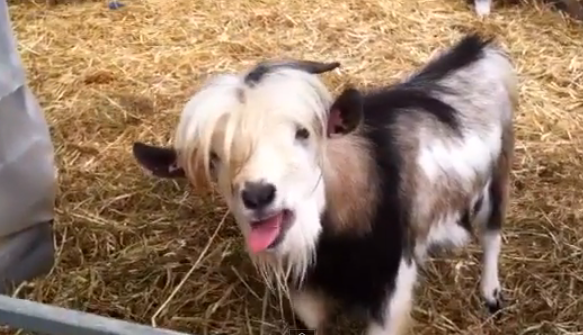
pixel 280 270
pixel 288 265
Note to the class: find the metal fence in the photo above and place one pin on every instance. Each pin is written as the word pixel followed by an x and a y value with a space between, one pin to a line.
pixel 51 320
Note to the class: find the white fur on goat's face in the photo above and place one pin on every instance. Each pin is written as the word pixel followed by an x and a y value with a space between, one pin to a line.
pixel 272 133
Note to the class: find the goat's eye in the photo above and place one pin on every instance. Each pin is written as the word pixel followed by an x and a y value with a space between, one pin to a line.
pixel 302 133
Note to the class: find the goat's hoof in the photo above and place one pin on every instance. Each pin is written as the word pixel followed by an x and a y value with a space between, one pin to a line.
pixel 496 304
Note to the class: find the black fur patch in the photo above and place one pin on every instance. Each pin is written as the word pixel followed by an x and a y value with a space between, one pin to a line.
pixel 256 75
pixel 470 214
pixel 478 205
pixel 466 221
pixel 261 69
pixel 160 161
pixel 360 271
pixel 467 51
pixel 411 98
pixel 496 197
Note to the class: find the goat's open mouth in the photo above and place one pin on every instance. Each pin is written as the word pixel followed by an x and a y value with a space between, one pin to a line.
pixel 268 232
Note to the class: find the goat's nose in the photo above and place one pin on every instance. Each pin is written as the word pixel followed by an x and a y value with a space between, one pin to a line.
pixel 256 195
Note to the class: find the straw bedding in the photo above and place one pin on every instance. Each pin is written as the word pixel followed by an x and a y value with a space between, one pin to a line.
pixel 125 241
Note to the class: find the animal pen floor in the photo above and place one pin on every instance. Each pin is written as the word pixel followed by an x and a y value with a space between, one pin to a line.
pixel 108 77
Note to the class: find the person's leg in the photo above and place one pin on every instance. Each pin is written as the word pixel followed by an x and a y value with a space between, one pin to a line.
pixel 27 171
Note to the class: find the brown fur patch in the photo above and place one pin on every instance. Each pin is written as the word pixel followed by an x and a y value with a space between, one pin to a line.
pixel 447 196
pixel 191 161
pixel 350 175
pixel 194 169
pixel 241 96
pixel 505 166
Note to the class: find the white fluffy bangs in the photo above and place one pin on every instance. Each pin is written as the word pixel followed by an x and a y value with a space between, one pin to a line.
pixel 297 95
pixel 283 96
pixel 201 120
pixel 229 116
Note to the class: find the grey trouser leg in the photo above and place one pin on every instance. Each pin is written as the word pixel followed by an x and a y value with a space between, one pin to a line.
pixel 26 255
pixel 27 171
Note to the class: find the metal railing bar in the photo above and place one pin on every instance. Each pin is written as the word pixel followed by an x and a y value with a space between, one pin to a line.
pixel 52 320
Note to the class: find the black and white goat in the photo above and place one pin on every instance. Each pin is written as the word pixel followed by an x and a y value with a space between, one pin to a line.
pixel 340 199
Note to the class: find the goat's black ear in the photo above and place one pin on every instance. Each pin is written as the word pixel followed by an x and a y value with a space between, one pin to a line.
pixel 346 113
pixel 160 161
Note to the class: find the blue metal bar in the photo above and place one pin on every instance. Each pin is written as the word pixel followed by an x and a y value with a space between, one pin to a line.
pixel 52 320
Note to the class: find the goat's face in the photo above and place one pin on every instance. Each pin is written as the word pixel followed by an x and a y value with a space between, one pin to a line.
pixel 275 189
pixel 262 143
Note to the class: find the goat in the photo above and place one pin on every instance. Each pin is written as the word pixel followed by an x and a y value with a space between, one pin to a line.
pixel 339 200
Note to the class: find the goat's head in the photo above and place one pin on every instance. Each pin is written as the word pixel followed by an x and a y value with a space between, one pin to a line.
pixel 261 137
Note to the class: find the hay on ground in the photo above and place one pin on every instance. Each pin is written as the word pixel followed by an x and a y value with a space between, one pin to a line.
pixel 108 77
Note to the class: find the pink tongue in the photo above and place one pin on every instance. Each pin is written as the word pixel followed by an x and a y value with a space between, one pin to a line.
pixel 264 233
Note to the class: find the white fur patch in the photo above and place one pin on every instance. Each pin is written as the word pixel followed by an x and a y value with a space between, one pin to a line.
pixel 483 214
pixel 300 242
pixel 482 7
pixel 398 311
pixel 310 308
pixel 446 232
pixel 464 158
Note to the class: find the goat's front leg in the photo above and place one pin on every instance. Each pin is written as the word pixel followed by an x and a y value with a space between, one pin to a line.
pixel 396 316
pixel 311 307
pixel 491 240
